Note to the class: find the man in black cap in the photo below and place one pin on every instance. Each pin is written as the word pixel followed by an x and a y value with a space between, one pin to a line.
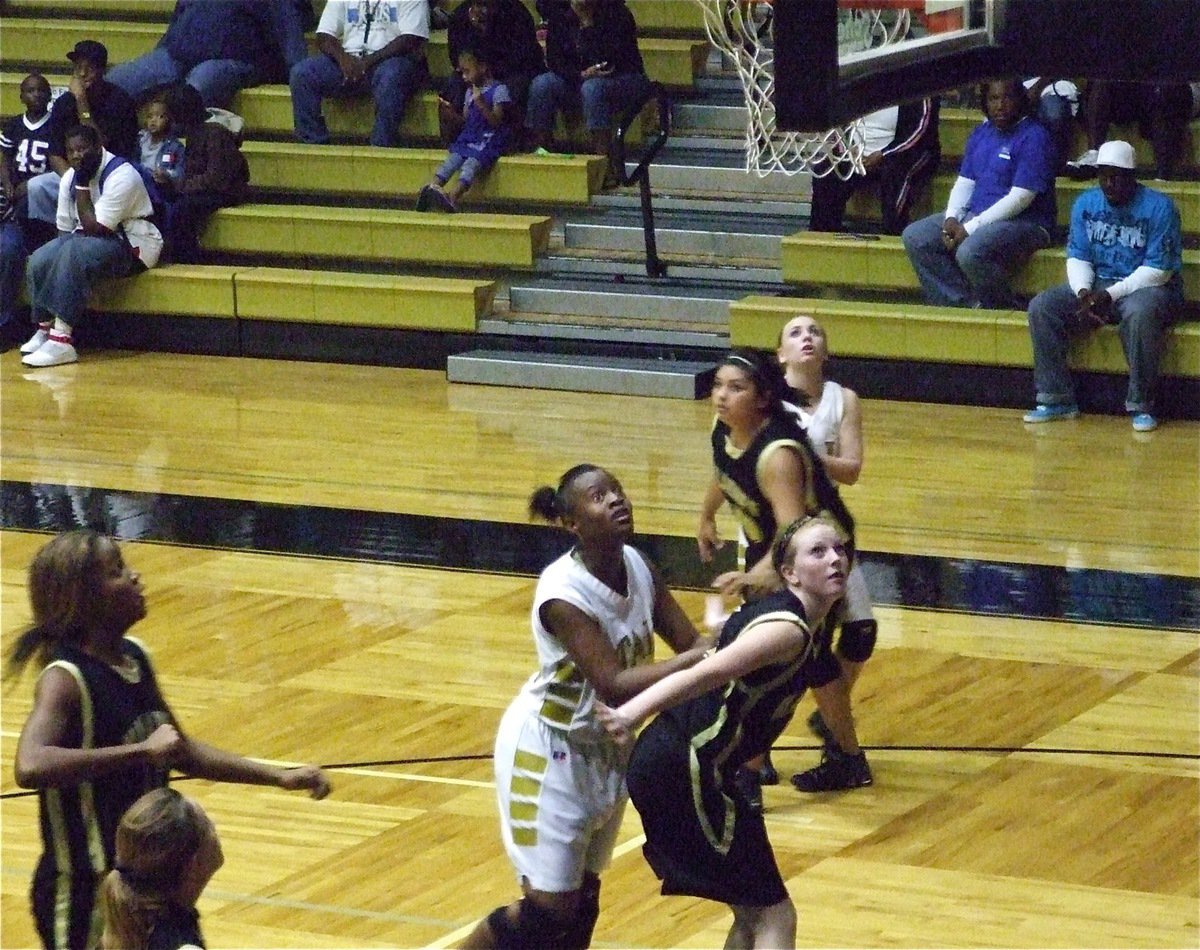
pixel 89 100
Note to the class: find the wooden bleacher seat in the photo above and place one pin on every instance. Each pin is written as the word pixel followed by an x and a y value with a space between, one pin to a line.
pixel 880 263
pixel 954 125
pixel 864 206
pixel 366 234
pixel 44 42
pixel 249 292
pixel 924 333
pixel 365 170
pixel 390 301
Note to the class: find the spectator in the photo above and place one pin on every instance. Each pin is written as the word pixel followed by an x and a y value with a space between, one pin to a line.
pixel 592 61
pixel 25 146
pixel 92 100
pixel 1123 267
pixel 1000 211
pixel 375 49
pixel 1160 110
pixel 900 154
pixel 504 33
pixel 482 139
pixel 167 850
pixel 215 175
pixel 1055 103
pixel 219 47
pixel 103 209
pixel 161 153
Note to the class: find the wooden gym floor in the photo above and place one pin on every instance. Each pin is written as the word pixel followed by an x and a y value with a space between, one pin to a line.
pixel 339 570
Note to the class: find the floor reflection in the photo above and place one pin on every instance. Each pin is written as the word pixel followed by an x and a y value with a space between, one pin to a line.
pixel 987 587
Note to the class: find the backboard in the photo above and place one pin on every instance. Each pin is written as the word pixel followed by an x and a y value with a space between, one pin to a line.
pixel 824 78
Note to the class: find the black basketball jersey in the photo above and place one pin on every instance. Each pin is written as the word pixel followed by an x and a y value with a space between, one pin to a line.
pixel 737 475
pixel 79 822
pixel 729 725
pixel 27 146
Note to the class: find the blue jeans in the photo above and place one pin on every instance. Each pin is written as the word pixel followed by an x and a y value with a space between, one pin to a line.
pixel 390 84
pixel 61 274
pixel 602 99
pixel 42 193
pixel 12 267
pixel 1144 316
pixel 979 271
pixel 217 80
pixel 471 167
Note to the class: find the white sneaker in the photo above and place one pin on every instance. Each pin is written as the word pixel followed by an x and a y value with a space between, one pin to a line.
pixel 35 342
pixel 53 352
pixel 1086 160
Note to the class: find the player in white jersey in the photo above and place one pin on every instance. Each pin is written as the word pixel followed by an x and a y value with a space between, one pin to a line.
pixel 832 416
pixel 560 779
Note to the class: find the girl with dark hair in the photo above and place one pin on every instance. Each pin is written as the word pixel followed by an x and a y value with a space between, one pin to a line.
pixel 766 469
pixel 167 850
pixel 702 838
pixel 560 780
pixel 100 733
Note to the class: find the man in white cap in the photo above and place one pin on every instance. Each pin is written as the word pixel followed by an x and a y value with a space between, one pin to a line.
pixel 1123 266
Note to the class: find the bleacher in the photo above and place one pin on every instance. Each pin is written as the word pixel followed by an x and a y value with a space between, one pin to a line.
pixel 328 260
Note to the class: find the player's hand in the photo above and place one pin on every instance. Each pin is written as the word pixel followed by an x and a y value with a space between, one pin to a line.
pixel 731 583
pixel 708 539
pixel 306 777
pixel 164 746
pixel 620 728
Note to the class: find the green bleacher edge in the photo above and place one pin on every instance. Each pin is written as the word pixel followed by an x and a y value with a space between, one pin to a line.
pixel 864 206
pixel 928 334
pixel 224 292
pixel 954 125
pixel 662 16
pixel 45 42
pixel 880 263
pixel 380 236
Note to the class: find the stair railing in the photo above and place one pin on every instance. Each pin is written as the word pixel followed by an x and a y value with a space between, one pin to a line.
pixel 641 171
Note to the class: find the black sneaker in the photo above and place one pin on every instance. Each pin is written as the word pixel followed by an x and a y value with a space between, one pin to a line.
pixel 748 784
pixel 836 772
pixel 816 725
pixel 768 774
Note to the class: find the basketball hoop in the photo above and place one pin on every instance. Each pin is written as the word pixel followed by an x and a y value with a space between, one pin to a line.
pixel 743 30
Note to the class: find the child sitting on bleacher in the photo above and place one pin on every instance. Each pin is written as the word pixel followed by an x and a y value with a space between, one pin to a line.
pixel 161 153
pixel 481 142
pixel 215 174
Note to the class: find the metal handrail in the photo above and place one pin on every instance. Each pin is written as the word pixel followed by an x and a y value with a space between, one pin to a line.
pixel 641 171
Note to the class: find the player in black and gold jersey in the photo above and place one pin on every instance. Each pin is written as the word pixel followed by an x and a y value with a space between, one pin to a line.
pixel 100 733
pixel 702 837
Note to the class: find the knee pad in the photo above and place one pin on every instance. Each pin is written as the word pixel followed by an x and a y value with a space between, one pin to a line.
pixel 856 642
pixel 535 929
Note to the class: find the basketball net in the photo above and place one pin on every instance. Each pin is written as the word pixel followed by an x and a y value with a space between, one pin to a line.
pixel 743 30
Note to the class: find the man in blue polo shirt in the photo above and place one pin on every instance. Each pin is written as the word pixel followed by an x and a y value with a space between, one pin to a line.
pixel 1123 266
pixel 1000 210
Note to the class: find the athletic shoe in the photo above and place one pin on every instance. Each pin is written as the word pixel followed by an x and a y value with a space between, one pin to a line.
pixel 440 201
pixel 768 775
pixel 1144 422
pixel 424 196
pixel 1086 160
pixel 748 784
pixel 836 772
pixel 1054 413
pixel 816 725
pixel 36 341
pixel 54 352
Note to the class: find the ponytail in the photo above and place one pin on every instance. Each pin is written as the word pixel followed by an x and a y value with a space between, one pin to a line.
pixel 155 840
pixel 555 504
pixel 64 586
